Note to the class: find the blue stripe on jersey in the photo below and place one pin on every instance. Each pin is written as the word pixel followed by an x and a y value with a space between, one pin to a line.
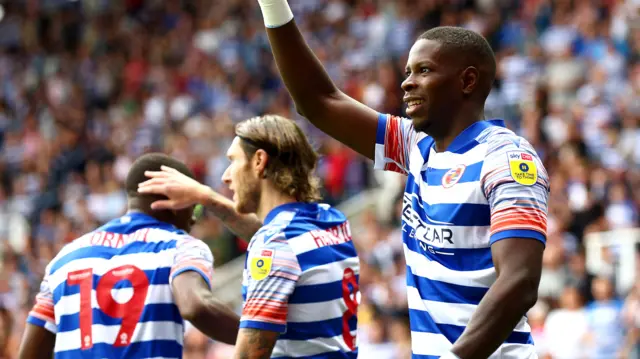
pixel 149 349
pixel 308 217
pixel 438 291
pixel 434 176
pixel 425 324
pixel 322 329
pixel 464 214
pixel 36 321
pixel 424 146
pixel 459 259
pixel 108 252
pixel 458 214
pixel 315 293
pixel 466 140
pixel 329 355
pixel 326 255
pixel 418 356
pixel 157 276
pixel 135 222
pixel 382 127
pixel 151 313
pixel 518 233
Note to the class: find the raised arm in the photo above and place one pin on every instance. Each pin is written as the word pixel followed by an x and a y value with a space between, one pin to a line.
pixel 315 95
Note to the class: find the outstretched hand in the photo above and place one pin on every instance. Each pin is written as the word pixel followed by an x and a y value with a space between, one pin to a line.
pixel 181 191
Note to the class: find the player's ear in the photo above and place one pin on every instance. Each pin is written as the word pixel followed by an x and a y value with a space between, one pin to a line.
pixel 260 163
pixel 469 79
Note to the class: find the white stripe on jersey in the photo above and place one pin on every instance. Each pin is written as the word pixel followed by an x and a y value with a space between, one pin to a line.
pixel 157 294
pixel 466 192
pixel 330 272
pixel 433 270
pixel 144 261
pixel 316 312
pixel 450 313
pixel 148 331
pixel 446 160
pixel 315 346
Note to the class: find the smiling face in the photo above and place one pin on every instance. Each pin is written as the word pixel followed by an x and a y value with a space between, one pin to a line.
pixel 432 90
pixel 242 179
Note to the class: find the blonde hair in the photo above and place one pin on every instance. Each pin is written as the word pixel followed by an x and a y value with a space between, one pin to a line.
pixel 292 160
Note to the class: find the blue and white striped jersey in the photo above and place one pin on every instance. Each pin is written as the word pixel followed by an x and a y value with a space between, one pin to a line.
pixel 488 185
pixel 108 293
pixel 301 279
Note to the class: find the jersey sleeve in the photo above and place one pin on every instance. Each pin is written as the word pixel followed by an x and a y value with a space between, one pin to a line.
pixel 42 313
pixel 192 255
pixel 395 136
pixel 273 272
pixel 516 186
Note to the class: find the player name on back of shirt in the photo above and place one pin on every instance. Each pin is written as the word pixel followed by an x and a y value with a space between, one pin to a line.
pixel 332 236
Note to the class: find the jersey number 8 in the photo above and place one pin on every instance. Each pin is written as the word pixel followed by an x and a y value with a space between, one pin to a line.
pixel 349 294
pixel 129 312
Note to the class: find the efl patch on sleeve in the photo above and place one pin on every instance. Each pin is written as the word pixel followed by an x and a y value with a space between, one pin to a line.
pixel 261 264
pixel 522 167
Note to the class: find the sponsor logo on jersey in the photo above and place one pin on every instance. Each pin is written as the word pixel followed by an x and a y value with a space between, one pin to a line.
pixel 261 264
pixel 522 168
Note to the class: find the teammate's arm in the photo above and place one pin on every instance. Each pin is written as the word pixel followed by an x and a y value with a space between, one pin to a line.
pixel 190 280
pixel 37 343
pixel 41 325
pixel 315 95
pixel 517 188
pixel 183 192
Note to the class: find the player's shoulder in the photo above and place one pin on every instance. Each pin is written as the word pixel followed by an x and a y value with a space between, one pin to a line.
pixel 315 217
pixel 501 141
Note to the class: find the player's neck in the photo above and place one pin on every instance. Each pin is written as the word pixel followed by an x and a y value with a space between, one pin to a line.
pixel 271 198
pixel 461 123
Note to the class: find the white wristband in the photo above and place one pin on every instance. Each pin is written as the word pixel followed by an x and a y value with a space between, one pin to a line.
pixel 449 355
pixel 275 12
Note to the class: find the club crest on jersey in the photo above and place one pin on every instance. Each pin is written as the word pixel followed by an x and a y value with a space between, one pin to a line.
pixel 522 167
pixel 261 264
pixel 453 176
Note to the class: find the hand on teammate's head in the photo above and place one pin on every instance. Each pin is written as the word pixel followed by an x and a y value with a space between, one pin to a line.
pixel 180 190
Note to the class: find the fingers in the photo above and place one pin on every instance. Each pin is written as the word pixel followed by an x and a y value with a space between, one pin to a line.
pixel 154 181
pixel 168 169
pixel 157 174
pixel 164 204
pixel 153 189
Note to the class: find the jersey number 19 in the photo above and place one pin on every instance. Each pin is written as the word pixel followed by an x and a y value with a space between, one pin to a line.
pixel 129 312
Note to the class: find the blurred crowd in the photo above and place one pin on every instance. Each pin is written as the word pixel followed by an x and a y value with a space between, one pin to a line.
pixel 86 86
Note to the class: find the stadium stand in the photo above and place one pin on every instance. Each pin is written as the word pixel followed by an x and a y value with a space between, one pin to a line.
pixel 87 86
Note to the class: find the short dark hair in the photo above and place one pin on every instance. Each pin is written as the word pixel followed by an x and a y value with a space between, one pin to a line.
pixel 466 44
pixel 151 162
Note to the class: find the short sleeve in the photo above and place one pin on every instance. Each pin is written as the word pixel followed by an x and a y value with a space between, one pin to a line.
pixel 42 313
pixel 273 272
pixel 395 136
pixel 192 255
pixel 516 186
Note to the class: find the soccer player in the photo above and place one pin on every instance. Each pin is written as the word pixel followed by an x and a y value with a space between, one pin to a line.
pixel 123 290
pixel 474 218
pixel 300 282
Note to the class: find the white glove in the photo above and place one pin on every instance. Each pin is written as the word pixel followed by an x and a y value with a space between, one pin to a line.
pixel 275 12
